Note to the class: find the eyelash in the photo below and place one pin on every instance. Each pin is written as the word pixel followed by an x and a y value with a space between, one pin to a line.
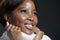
pixel 35 13
pixel 24 11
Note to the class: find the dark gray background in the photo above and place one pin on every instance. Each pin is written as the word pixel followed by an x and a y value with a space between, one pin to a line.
pixel 48 18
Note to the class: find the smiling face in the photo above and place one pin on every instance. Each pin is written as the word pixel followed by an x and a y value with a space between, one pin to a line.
pixel 24 16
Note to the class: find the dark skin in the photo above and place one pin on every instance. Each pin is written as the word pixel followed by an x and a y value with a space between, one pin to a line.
pixel 25 13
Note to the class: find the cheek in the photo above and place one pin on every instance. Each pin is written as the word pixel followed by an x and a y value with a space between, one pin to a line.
pixel 12 20
pixel 22 18
pixel 35 20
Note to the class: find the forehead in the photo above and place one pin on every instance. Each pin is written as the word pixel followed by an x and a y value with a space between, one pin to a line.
pixel 27 4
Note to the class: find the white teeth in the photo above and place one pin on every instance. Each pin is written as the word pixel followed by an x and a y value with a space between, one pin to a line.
pixel 29 25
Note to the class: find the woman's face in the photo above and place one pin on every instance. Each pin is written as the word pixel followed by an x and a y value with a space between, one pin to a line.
pixel 24 16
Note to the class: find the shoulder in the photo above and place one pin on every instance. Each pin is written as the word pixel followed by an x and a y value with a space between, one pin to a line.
pixel 45 37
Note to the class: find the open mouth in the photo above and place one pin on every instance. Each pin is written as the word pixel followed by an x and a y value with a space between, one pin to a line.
pixel 29 25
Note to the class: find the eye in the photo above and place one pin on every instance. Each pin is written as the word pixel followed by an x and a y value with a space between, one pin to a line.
pixel 35 13
pixel 23 11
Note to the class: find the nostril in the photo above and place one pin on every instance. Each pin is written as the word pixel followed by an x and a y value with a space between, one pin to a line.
pixel 30 18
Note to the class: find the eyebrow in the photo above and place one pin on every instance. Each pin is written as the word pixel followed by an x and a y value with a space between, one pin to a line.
pixel 21 8
pixel 25 8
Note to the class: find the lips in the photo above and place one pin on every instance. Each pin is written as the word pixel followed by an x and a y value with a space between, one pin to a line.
pixel 29 25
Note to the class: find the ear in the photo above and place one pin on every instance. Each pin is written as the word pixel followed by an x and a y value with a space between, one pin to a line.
pixel 6 17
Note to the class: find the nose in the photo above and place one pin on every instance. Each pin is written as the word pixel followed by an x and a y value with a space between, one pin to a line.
pixel 30 17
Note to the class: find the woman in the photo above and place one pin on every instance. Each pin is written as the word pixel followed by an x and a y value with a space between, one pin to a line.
pixel 21 20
